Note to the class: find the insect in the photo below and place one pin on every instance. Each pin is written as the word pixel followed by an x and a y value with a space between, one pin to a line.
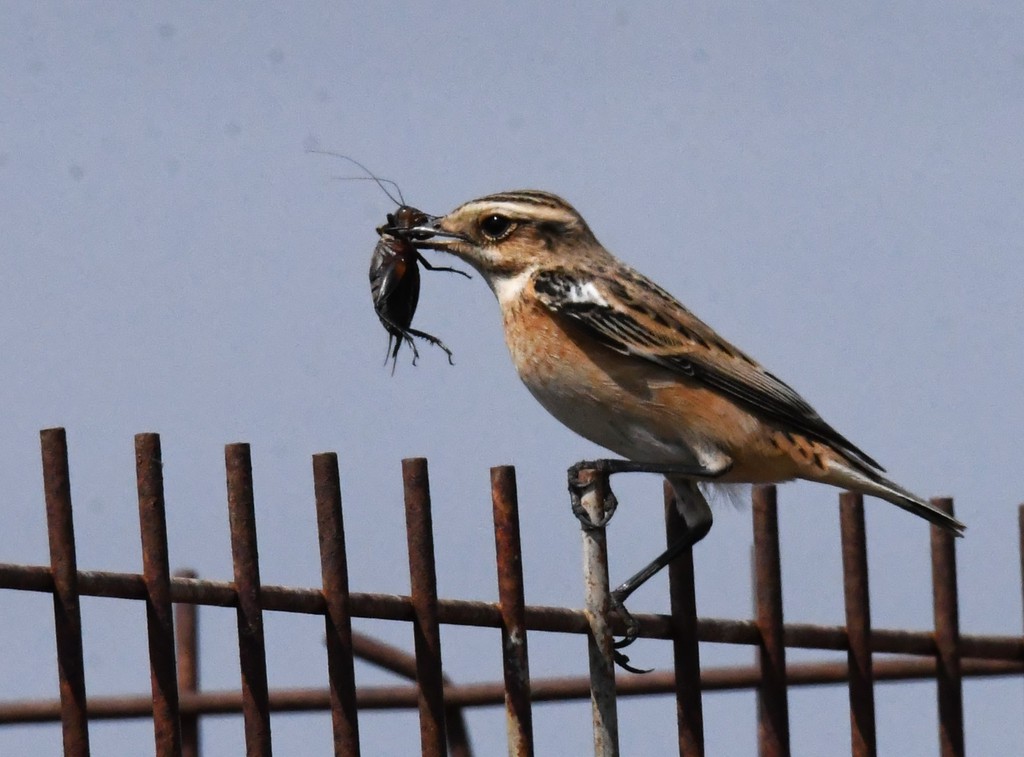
pixel 395 273
pixel 395 284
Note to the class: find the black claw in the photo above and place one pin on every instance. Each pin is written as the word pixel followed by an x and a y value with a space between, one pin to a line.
pixel 623 662
pixel 631 623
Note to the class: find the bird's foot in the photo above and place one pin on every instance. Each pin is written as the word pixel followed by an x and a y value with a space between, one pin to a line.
pixel 632 632
pixel 578 487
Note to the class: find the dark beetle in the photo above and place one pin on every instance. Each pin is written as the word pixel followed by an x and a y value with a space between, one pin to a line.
pixel 395 282
pixel 394 269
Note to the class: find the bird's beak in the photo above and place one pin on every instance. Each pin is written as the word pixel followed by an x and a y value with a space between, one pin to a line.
pixel 431 233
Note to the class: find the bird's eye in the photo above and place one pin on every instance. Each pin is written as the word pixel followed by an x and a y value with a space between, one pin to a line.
pixel 495 226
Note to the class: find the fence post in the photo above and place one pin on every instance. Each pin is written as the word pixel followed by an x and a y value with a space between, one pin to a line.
pixel 685 647
pixel 338 618
pixel 858 624
pixel 157 574
pixel 67 613
pixel 246 562
pixel 186 637
pixel 597 607
pixel 947 637
pixel 515 655
pixel 772 701
pixel 423 585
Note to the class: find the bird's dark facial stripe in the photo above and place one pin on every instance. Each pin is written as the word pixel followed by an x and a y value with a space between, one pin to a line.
pixel 530 197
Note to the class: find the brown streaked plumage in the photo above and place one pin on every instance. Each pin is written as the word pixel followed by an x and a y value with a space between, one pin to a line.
pixel 617 359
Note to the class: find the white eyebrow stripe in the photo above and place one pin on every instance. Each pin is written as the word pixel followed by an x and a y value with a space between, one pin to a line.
pixel 518 210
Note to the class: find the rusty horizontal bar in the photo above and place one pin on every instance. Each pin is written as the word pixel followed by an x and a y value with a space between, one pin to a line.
pixel 493 694
pixel 488 614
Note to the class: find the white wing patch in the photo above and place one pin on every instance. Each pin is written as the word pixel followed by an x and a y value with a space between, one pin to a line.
pixel 586 292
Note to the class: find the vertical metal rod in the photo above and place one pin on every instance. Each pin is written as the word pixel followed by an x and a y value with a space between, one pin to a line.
pixel 186 636
pixel 858 624
pixel 1020 538
pixel 404 664
pixel 67 614
pixel 685 647
pixel 511 597
pixel 598 605
pixel 773 705
pixel 423 584
pixel 334 571
pixel 157 575
pixel 245 559
pixel 947 637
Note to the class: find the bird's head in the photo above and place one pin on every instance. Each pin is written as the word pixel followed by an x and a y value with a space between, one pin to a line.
pixel 506 234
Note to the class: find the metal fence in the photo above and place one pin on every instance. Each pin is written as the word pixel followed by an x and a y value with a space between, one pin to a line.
pixel 177 703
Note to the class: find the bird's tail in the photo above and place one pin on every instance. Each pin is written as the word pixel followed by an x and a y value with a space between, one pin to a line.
pixel 874 483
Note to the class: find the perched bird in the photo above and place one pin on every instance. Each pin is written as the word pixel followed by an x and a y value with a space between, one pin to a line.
pixel 621 362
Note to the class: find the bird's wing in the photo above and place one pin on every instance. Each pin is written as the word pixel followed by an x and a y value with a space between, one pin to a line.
pixel 630 314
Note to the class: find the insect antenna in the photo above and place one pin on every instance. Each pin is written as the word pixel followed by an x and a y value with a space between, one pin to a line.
pixel 370 176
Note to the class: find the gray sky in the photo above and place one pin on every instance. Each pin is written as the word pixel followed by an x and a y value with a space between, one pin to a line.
pixel 838 191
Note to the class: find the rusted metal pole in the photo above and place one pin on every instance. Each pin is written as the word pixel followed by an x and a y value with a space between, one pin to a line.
pixel 598 605
pixel 334 571
pixel 245 559
pixel 858 624
pixel 186 636
pixel 511 597
pixel 947 637
pixel 423 585
pixel 67 614
pixel 157 574
pixel 685 647
pixel 491 694
pixel 402 663
pixel 772 701
pixel 1020 539
pixel 97 583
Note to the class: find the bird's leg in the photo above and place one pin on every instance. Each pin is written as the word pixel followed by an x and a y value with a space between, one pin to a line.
pixel 692 506
pixel 697 519
pixel 608 466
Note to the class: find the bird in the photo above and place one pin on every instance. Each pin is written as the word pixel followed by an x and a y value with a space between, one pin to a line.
pixel 621 362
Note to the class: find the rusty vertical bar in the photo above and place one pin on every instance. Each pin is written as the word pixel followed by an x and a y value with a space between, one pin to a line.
pixel 685 647
pixel 67 614
pixel 334 571
pixel 245 559
pixel 511 597
pixel 186 637
pixel 858 624
pixel 598 606
pixel 1020 539
pixel 423 585
pixel 772 701
pixel 947 637
pixel 157 574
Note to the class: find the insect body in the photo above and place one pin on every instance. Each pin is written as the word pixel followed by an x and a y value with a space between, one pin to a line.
pixel 394 269
pixel 395 282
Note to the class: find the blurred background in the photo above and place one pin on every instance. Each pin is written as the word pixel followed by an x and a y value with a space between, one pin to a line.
pixel 837 189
